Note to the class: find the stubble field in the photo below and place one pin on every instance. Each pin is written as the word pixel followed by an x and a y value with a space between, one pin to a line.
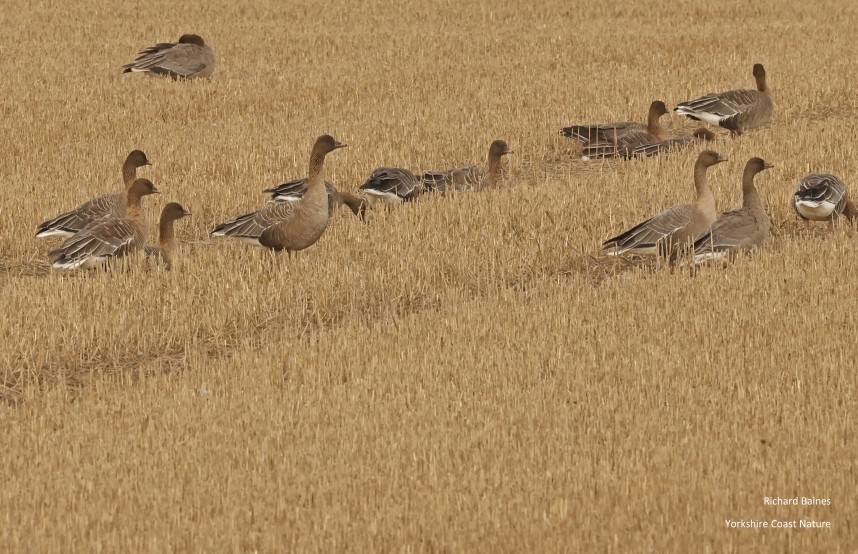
pixel 465 373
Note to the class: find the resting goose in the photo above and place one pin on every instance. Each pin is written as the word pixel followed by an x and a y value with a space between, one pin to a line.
pixel 613 132
pixel 631 142
pixel 109 237
pixel 736 110
pixel 167 234
pixel 69 223
pixel 291 191
pixel 737 230
pixel 700 134
pixel 391 185
pixel 670 230
pixel 822 197
pixel 472 176
pixel 289 226
pixel 190 58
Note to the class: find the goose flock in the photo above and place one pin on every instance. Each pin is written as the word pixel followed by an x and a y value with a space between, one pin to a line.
pixel 112 225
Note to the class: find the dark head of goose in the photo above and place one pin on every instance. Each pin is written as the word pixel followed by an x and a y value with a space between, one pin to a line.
pixel 192 39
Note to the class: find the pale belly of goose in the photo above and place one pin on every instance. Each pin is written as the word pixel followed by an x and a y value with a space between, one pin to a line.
pixel 815 210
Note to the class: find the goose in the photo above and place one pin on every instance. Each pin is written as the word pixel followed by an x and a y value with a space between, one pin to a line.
pixel 472 176
pixel 822 197
pixel 289 226
pixel 669 230
pixel 295 189
pixel 69 223
pixel 613 132
pixel 190 58
pixel 391 185
pixel 630 143
pixel 701 134
pixel 736 110
pixel 167 234
pixel 741 229
pixel 110 237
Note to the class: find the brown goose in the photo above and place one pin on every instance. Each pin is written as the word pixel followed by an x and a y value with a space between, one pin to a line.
pixel 69 223
pixel 190 58
pixel 472 176
pixel 613 132
pixel 289 226
pixel 167 234
pixel 632 141
pixel 737 230
pixel 736 110
pixel 822 197
pixel 391 185
pixel 109 237
pixel 291 191
pixel 670 230
pixel 700 134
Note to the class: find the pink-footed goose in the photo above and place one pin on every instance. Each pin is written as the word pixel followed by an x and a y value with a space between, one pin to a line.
pixel 822 197
pixel 391 185
pixel 295 189
pixel 110 237
pixel 471 177
pixel 736 110
pixel 289 226
pixel 190 58
pixel 738 230
pixel 613 132
pixel 69 223
pixel 165 251
pixel 674 228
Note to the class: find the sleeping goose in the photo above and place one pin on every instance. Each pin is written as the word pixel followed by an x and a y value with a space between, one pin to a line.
pixel 289 226
pixel 470 177
pixel 822 197
pixel 737 230
pixel 391 185
pixel 295 189
pixel 190 58
pixel 613 132
pixel 736 110
pixel 69 223
pixel 668 231
pixel 167 234
pixel 110 237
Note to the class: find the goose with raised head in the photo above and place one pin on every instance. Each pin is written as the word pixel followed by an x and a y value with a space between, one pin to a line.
pixel 289 226
pixel 471 177
pixel 295 189
pixel 737 230
pixel 737 110
pixel 189 58
pixel 69 223
pixel 668 231
pixel 109 237
pixel 631 142
pixel 165 251
pixel 822 197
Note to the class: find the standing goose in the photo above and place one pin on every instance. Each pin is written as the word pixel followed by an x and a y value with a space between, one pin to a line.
pixel 291 191
pixel 190 58
pixel 741 229
pixel 822 197
pixel 167 234
pixel 736 110
pixel 69 223
pixel 109 237
pixel 472 176
pixel 289 226
pixel 613 132
pixel 391 185
pixel 669 230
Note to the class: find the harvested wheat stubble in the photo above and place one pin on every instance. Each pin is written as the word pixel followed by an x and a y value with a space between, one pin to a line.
pixel 459 374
